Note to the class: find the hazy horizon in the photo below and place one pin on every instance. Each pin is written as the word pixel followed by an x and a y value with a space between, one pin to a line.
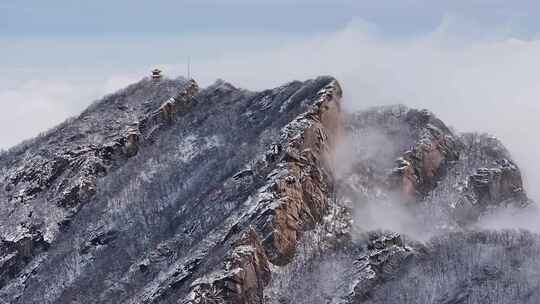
pixel 472 63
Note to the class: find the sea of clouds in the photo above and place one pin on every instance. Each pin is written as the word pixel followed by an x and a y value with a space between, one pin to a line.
pixel 474 83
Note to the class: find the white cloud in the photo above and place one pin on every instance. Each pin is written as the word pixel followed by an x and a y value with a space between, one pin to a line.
pixel 31 107
pixel 471 83
pixel 34 104
pixel 474 85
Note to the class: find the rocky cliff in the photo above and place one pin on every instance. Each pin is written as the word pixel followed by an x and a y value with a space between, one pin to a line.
pixel 167 193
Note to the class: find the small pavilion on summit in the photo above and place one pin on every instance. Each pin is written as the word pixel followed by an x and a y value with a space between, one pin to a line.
pixel 156 74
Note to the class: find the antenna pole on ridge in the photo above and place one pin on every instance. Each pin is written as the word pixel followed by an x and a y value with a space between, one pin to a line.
pixel 189 67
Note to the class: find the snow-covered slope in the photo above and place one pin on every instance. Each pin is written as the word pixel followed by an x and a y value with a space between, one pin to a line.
pixel 165 193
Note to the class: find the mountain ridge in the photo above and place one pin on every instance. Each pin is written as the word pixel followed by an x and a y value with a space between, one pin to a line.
pixel 167 193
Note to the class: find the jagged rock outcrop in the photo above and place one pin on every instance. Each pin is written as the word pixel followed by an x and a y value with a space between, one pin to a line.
pixel 156 204
pixel 299 189
pixel 18 250
pixel 429 202
pixel 303 188
pixel 484 178
pixel 500 181
pixel 385 255
pixel 167 193
pixel 436 148
pixel 246 273
pixel 467 267
pixel 456 177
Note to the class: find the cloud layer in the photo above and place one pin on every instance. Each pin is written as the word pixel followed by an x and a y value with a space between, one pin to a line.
pixel 474 84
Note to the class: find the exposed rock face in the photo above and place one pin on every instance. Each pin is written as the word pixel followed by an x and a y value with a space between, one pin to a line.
pixel 165 193
pixel 420 168
pixel 421 145
pixel 500 181
pixel 473 267
pixel 18 251
pixel 181 182
pixel 246 273
pixel 303 187
pixel 385 256
pixel 299 188
pixel 434 183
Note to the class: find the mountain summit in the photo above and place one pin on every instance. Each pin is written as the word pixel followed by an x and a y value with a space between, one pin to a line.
pixel 167 193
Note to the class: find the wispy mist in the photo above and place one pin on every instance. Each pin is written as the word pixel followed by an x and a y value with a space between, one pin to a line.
pixel 512 218
pixel 474 84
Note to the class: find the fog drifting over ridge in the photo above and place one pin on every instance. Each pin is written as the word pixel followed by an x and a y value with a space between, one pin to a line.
pixel 473 84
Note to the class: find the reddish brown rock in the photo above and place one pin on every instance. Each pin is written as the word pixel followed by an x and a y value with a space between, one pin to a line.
pixel 301 197
pixel 243 278
pixel 435 151
pixel 304 192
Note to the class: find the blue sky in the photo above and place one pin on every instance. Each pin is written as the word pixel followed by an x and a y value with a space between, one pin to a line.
pixel 125 33
pixel 165 17
pixel 69 17
pixel 474 63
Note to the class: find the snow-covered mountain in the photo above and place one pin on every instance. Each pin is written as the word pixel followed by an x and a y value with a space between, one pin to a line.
pixel 167 193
